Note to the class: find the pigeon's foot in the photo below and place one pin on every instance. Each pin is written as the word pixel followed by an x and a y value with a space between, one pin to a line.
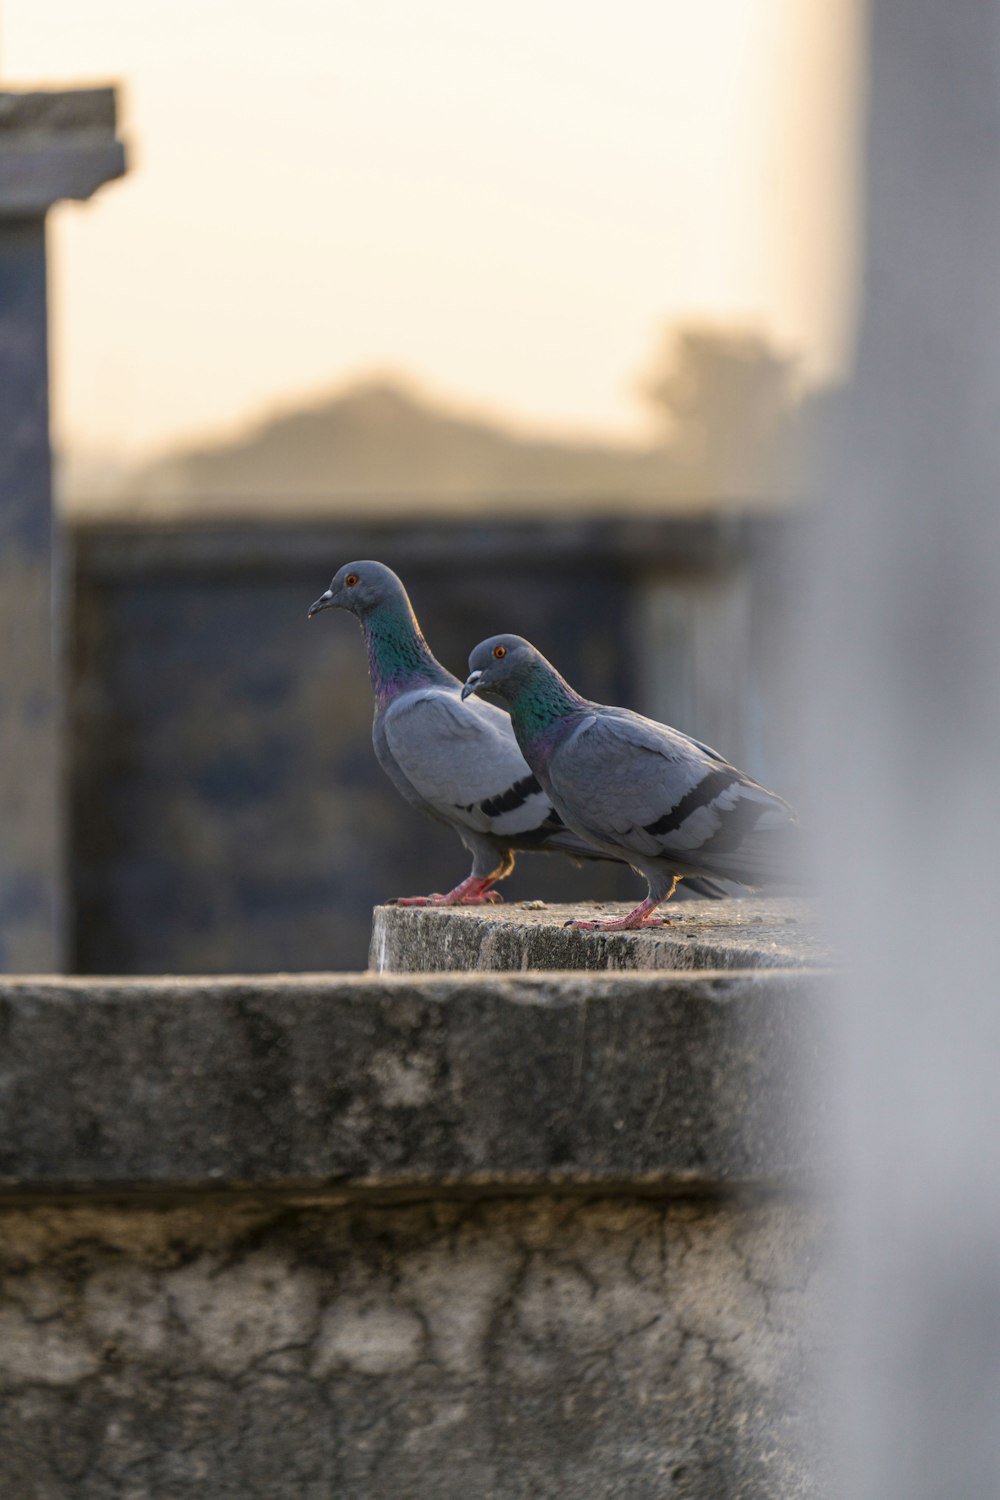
pixel 630 922
pixel 472 892
pixel 488 898
pixel 620 924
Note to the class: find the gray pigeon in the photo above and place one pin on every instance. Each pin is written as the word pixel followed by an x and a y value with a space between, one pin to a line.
pixel 669 806
pixel 457 761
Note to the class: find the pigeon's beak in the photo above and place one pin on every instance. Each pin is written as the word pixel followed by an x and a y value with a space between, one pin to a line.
pixel 471 684
pixel 323 602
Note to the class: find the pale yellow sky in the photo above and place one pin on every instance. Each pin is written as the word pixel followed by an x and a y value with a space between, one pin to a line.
pixel 505 200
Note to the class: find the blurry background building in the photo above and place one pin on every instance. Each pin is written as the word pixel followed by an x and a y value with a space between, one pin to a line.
pixel 548 309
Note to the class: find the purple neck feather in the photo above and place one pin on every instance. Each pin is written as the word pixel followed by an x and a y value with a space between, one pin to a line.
pixel 398 656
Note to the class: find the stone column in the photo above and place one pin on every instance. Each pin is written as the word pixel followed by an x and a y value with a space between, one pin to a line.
pixel 52 146
pixel 908 668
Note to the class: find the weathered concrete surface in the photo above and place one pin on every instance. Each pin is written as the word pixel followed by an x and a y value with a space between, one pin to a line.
pixel 433 1237
pixel 512 1350
pixel 753 933
pixel 466 1081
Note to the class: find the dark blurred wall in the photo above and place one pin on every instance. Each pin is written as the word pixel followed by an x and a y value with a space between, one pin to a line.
pixel 228 811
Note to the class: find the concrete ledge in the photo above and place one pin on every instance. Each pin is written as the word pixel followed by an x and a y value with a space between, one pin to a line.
pixel 747 934
pixel 364 1084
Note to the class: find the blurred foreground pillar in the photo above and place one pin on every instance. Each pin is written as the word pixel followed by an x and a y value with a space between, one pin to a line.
pixel 908 668
pixel 52 146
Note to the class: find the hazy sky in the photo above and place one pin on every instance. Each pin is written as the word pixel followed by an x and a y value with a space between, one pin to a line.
pixel 506 200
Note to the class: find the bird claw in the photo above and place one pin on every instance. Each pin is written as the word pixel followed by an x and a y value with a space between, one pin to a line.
pixel 620 924
pixel 486 898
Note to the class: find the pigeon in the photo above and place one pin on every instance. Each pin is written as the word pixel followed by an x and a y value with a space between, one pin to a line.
pixel 456 760
pixel 668 805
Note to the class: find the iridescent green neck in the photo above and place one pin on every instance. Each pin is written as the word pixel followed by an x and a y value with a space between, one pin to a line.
pixel 543 709
pixel 398 655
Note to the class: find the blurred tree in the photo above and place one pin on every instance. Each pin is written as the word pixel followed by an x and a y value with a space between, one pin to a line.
pixel 730 406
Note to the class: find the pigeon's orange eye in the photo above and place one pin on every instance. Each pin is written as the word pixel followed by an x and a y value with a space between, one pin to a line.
pixel 350 580
pixel 499 652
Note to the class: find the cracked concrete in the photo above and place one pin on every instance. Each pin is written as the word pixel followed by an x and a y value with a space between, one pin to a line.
pixel 529 1347
pixel 415 1237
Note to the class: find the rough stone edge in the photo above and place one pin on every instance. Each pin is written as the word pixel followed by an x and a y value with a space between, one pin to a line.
pixel 754 1163
pixel 703 937
pixel 526 986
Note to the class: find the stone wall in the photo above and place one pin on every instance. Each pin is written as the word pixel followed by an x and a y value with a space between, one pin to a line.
pixel 527 1347
pixel 413 1235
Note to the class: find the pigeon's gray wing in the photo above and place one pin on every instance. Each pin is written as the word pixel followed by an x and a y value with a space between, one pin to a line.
pixel 462 762
pixel 648 790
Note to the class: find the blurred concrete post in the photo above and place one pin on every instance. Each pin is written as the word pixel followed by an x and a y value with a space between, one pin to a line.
pixel 907 673
pixel 52 146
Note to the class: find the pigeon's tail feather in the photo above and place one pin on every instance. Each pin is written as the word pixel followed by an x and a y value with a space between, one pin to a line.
pixel 774 857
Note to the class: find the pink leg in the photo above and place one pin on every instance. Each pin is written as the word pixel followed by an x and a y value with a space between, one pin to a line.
pixel 637 917
pixel 473 891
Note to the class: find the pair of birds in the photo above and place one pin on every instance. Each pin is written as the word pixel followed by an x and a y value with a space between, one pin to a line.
pixel 559 774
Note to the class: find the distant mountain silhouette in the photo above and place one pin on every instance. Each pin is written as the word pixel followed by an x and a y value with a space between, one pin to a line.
pixel 383 443
pixel 737 427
